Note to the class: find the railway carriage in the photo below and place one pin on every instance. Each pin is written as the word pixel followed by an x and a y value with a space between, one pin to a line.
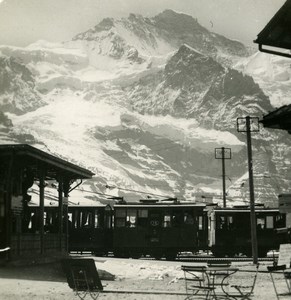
pixel 90 229
pixel 163 228
pixel 230 231
pixel 158 229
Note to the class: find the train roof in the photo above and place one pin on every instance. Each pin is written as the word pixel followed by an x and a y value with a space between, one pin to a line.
pixel 244 209
pixel 163 204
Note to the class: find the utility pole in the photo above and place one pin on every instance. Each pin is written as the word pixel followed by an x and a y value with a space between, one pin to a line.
pixel 223 154
pixel 248 125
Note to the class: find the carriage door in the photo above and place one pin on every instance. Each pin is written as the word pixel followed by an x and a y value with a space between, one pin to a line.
pixel 155 223
pixel 202 230
pixel 2 222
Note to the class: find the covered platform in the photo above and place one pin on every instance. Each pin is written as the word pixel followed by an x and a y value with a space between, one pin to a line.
pixel 21 166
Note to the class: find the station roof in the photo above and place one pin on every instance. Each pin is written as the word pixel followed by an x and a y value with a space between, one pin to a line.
pixel 278 119
pixel 34 158
pixel 277 33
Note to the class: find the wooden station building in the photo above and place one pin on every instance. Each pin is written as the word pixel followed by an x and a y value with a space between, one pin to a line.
pixel 21 166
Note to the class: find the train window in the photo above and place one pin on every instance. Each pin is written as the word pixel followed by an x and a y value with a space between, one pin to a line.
pixel 143 213
pixel 87 219
pixel 221 222
pixel 34 222
pixel 260 223
pixel 120 217
pixel 70 216
pixel 74 219
pixel 225 222
pixel 131 218
pixel 280 221
pixel 188 219
pixel 167 220
pixel 120 213
pixel 83 219
pixel 200 222
pixel 47 221
pixel 97 218
pixel 230 223
pixel 142 217
pixel 269 222
pixel 120 222
pixel 177 218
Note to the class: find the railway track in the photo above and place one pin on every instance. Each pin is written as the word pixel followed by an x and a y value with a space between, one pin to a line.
pixel 211 258
pixel 189 258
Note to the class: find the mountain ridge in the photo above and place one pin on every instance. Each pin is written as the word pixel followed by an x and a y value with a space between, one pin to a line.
pixel 143 107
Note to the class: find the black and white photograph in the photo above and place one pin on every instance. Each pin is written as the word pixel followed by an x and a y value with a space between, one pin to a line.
pixel 145 149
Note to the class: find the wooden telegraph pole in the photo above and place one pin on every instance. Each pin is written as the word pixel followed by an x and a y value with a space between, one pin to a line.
pixel 248 125
pixel 223 154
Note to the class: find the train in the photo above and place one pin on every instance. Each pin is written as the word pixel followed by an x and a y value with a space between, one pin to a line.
pixel 167 229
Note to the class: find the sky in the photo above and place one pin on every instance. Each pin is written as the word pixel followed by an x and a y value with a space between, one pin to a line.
pixel 25 21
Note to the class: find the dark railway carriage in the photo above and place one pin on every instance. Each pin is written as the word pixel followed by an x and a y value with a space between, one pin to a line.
pixel 158 229
pixel 230 231
pixel 90 229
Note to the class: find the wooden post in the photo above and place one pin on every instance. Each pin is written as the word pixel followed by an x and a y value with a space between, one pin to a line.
pixel 7 203
pixel 223 177
pixel 41 205
pixel 60 211
pixel 252 194
pixel 66 187
pixel 244 125
pixel 223 154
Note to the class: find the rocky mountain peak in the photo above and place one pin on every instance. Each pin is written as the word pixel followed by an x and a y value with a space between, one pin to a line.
pixel 136 18
pixel 105 24
pixel 161 34
pixel 17 87
pixel 9 67
pixel 179 23
pixel 189 66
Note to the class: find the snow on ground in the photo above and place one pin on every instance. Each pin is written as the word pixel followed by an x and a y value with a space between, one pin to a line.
pixel 47 282
pixel 140 269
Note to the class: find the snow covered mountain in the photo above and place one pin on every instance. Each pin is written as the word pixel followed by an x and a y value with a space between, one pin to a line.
pixel 17 87
pixel 143 103
pixel 272 73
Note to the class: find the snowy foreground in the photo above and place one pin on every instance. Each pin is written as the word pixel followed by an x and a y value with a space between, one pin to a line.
pixel 48 282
